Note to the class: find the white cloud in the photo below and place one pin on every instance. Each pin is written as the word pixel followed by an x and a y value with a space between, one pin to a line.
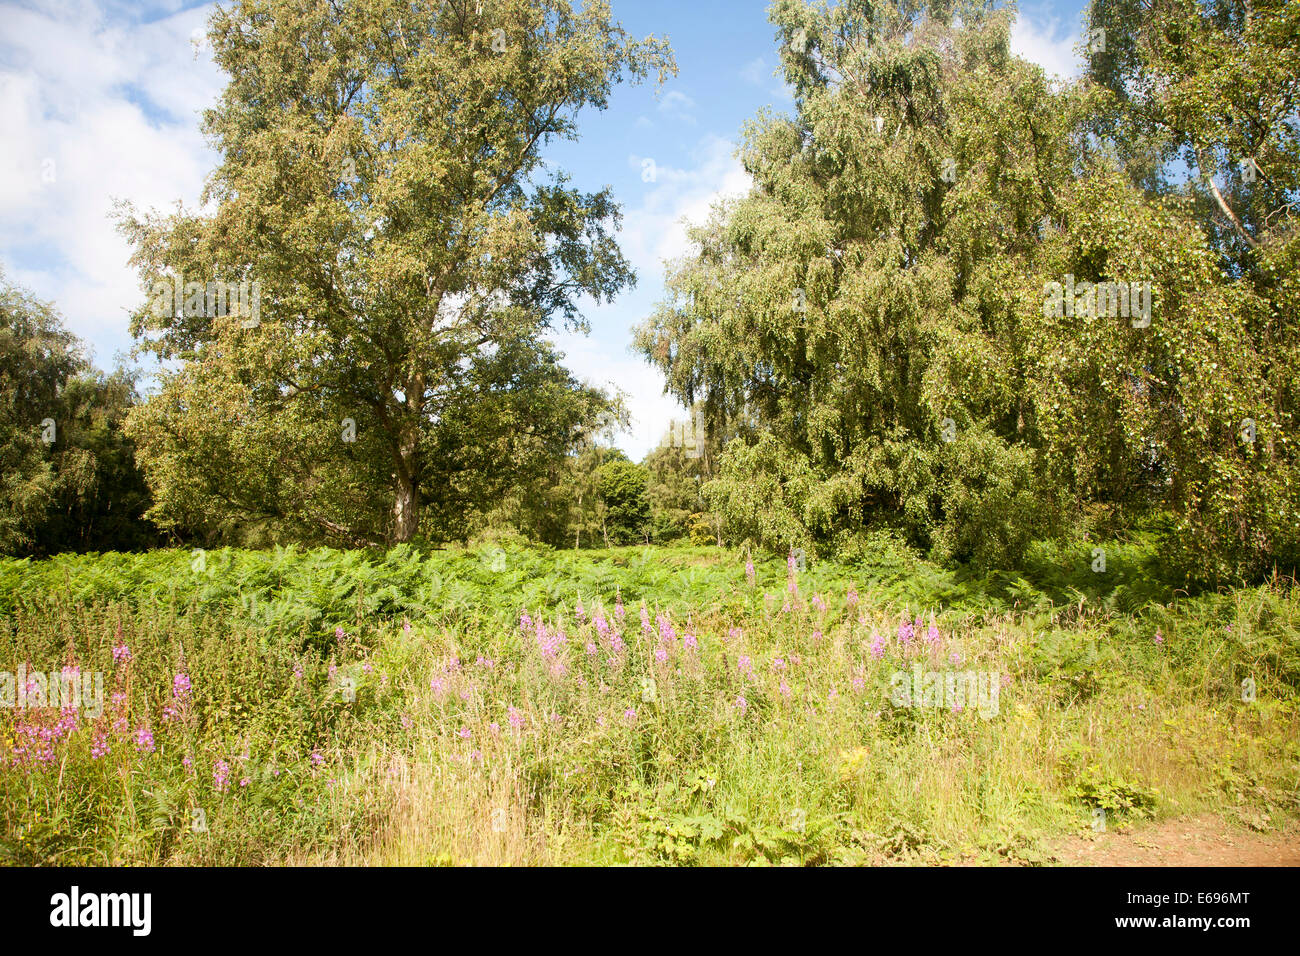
pixel 94 112
pixel 1043 40
pixel 754 72
pixel 653 231
pixel 677 105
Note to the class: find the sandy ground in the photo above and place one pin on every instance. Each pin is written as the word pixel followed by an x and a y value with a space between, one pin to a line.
pixel 1205 840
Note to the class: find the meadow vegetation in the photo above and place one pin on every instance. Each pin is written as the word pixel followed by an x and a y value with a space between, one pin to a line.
pixel 416 607
pixel 640 705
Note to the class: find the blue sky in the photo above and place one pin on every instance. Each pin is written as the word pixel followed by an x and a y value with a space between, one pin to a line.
pixel 100 100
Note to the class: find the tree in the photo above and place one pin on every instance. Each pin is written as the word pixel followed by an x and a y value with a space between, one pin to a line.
pixel 854 320
pixel 560 503
pixel 1212 84
pixel 513 429
pixel 577 496
pixel 379 190
pixel 976 309
pixel 622 489
pixel 673 490
pixel 679 467
pixel 70 480
pixel 102 506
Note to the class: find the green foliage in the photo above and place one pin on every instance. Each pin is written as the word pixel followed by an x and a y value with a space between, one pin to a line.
pixel 874 328
pixel 622 489
pixel 816 767
pixel 856 301
pixel 411 254
pixel 677 839
pixel 1095 788
pixel 70 480
pixel 673 489
pixel 132 805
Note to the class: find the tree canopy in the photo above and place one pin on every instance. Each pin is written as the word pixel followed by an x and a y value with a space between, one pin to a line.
pixel 965 303
pixel 381 194
pixel 70 482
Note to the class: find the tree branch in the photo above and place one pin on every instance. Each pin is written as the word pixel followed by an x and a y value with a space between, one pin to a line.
pixel 1223 204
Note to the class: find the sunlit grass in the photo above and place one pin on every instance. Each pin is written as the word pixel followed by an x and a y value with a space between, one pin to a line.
pixel 751 724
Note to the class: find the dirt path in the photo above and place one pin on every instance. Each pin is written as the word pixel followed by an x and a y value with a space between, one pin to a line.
pixel 1204 840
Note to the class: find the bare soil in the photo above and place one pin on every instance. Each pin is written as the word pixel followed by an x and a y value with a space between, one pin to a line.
pixel 1205 840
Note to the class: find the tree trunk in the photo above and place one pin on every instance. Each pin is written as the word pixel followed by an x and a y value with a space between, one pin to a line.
pixel 406 506
pixel 406 494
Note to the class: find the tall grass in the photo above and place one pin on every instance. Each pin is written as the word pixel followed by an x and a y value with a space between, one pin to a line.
pixel 399 708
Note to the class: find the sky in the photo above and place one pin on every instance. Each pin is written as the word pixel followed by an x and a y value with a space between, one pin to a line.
pixel 100 101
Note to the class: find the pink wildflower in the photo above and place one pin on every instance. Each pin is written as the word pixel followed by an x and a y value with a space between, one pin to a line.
pixel 144 739
pixel 905 632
